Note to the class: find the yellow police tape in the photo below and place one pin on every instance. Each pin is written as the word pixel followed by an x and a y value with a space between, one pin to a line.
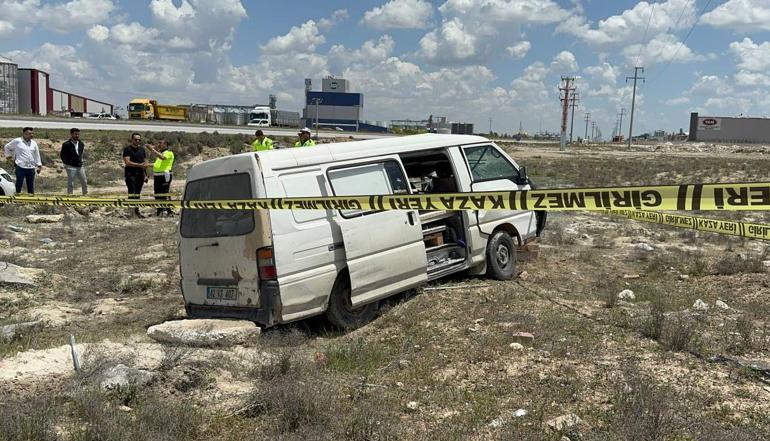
pixel 721 197
pixel 733 228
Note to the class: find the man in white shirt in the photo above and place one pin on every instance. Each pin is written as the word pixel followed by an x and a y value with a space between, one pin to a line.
pixel 26 157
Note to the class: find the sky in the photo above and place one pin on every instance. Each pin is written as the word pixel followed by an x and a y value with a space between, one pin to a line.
pixel 468 60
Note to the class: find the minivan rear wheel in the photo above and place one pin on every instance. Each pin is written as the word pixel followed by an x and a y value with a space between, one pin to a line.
pixel 340 311
pixel 501 256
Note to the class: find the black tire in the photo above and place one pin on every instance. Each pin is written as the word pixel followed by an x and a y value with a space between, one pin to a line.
pixel 501 256
pixel 340 312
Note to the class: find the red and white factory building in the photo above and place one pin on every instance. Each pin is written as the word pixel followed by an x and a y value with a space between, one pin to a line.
pixel 29 91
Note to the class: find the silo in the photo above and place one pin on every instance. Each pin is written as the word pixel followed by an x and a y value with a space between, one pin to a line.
pixel 241 117
pixel 9 86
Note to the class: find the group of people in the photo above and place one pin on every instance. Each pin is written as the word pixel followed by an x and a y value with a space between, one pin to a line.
pixel 24 154
pixel 264 143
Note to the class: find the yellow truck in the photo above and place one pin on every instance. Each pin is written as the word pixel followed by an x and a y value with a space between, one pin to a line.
pixel 145 108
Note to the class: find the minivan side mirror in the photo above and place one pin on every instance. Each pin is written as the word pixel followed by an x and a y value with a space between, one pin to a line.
pixel 522 179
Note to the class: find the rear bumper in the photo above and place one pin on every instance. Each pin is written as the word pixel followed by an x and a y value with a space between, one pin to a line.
pixel 268 313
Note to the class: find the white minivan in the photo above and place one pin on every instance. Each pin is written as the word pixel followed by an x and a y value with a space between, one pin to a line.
pixel 278 266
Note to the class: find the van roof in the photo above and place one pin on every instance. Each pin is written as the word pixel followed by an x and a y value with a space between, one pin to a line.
pixel 341 151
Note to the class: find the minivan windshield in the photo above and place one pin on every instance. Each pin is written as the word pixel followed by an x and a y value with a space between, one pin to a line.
pixel 217 223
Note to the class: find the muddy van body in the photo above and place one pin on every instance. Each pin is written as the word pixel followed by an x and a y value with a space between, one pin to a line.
pixel 278 266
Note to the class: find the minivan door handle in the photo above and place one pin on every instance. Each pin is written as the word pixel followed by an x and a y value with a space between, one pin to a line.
pixel 410 216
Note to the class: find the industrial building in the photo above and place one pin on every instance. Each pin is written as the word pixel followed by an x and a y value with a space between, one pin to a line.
pixel 729 129
pixel 29 91
pixel 334 106
pixel 9 86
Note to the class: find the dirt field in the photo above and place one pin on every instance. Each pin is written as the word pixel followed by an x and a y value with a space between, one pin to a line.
pixel 445 362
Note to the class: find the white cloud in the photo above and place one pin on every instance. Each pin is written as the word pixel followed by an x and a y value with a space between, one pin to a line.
pixel 751 79
pixel 98 32
pixel 475 31
pixel 519 50
pixel 133 34
pixel 399 14
pixel 6 29
pixel 61 17
pixel 662 48
pixel 370 52
pixel 632 24
pixel 300 39
pixel 740 15
pixel 605 73
pixel 337 16
pixel 751 56
pixel 564 62
pixel 677 101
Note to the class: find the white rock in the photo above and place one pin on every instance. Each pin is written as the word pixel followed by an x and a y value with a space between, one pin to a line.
pixel 700 305
pixel 721 305
pixel 204 332
pixel 644 247
pixel 121 376
pixel 45 218
pixel 564 422
pixel 626 294
pixel 9 332
pixel 520 413
pixel 684 277
pixel 10 273
pixel 497 422
pixel 412 405
pixel 517 346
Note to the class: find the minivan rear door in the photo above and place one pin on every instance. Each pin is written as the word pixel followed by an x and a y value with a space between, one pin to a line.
pixel 384 250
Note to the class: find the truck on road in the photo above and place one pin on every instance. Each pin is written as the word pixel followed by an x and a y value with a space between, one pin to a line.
pixel 145 108
pixel 264 116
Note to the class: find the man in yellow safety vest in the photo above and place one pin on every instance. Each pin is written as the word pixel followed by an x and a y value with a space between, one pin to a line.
pixel 304 138
pixel 161 171
pixel 262 142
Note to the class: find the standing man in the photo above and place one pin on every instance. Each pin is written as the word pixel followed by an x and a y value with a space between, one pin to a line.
pixel 26 156
pixel 72 156
pixel 135 162
pixel 262 142
pixel 161 171
pixel 304 138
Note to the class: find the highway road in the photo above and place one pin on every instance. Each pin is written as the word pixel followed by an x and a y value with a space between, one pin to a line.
pixel 140 126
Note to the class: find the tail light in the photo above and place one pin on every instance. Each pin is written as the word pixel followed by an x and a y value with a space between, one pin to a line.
pixel 266 264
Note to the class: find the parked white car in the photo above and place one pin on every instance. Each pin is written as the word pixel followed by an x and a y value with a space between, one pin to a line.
pixel 7 186
pixel 100 116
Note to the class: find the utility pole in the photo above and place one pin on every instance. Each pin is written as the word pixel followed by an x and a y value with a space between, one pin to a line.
pixel 573 103
pixel 633 101
pixel 316 101
pixel 566 87
pixel 620 123
pixel 490 126
pixel 593 130
pixel 587 119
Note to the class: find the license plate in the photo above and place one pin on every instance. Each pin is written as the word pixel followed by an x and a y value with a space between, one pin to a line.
pixel 220 293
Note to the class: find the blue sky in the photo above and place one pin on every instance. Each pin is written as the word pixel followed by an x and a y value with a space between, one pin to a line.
pixel 469 60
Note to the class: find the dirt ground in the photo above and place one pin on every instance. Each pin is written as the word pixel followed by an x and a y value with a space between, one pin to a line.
pixel 445 362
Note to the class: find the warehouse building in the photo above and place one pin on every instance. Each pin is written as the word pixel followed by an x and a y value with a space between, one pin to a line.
pixel 29 91
pixel 729 129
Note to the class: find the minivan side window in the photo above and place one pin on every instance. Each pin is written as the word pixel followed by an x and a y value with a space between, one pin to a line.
pixel 487 163
pixel 379 178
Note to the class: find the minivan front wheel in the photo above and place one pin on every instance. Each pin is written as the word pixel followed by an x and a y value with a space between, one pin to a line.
pixel 501 256
pixel 340 311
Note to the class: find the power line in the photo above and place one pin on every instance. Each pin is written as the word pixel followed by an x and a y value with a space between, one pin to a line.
pixel 644 38
pixel 681 43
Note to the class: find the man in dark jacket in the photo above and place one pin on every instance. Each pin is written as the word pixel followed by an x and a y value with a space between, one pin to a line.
pixel 72 156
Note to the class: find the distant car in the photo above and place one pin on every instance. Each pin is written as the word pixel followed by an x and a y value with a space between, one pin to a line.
pixel 7 186
pixel 102 115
